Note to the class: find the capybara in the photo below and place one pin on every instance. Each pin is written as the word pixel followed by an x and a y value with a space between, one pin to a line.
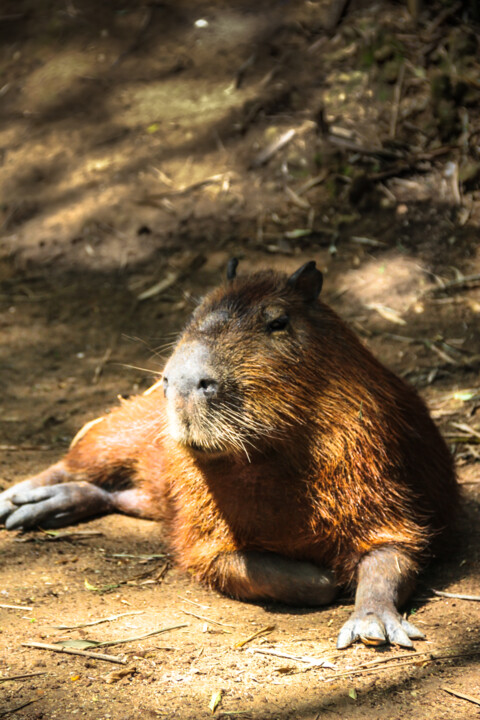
pixel 284 459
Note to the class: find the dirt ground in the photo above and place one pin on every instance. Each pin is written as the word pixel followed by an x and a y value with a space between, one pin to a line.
pixel 137 154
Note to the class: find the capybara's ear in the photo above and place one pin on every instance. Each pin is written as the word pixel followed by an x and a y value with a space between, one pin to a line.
pixel 307 280
pixel 232 268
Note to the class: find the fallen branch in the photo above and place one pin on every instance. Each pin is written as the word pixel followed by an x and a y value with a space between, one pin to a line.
pixel 466 428
pixel 413 658
pixel 397 96
pixel 99 369
pixel 54 536
pixel 17 707
pixel 27 448
pixel 468 281
pixel 180 192
pixel 462 439
pixel 319 662
pixel 391 658
pixel 97 622
pixel 206 619
pixel 194 602
pixel 160 287
pixel 462 695
pixel 15 607
pixel 455 596
pixel 309 184
pixel 405 162
pixel 134 638
pixel 296 199
pixel 363 670
pixel 10 678
pixel 73 651
pixel 267 153
pixel 351 146
pixel 262 631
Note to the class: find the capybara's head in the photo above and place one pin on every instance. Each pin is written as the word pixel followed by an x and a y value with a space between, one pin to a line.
pixel 241 375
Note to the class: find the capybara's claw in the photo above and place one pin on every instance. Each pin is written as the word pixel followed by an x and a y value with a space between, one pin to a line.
pixel 383 626
pixel 7 502
pixel 6 508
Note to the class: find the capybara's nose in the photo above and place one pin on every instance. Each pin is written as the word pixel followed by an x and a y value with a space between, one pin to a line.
pixel 192 384
pixel 208 387
pixel 189 373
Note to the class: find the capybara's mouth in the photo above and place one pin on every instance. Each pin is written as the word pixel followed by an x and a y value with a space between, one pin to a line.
pixel 191 430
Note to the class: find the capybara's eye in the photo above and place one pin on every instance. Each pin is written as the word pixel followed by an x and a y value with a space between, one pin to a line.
pixel 277 324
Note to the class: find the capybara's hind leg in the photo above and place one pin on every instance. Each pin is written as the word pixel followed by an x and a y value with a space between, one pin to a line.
pixel 267 576
pixel 98 475
pixel 57 497
pixel 52 499
pixel 385 581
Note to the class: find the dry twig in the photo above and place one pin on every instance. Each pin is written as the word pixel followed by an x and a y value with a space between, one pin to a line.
pixel 208 620
pixel 28 448
pixel 351 146
pixel 397 96
pixel 10 678
pixel 296 199
pixel 312 182
pixel 379 667
pixel 134 638
pixel 99 369
pixel 318 662
pixel 466 428
pixel 159 287
pixel 413 658
pixel 17 707
pixel 15 607
pixel 97 622
pixel 74 651
pixel 267 153
pixel 54 536
pixel 194 602
pixel 456 596
pixel 254 635
pixel 462 695
pixel 467 281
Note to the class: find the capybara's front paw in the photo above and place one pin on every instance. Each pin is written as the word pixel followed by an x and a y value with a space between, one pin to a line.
pixel 377 626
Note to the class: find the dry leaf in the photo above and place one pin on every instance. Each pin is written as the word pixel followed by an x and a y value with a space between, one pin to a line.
pixel 215 700
pixel 387 313
pixel 117 675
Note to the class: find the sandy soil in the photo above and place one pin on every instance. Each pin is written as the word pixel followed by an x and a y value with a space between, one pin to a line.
pixel 132 166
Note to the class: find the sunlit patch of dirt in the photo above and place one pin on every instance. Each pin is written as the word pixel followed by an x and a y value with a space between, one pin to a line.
pixel 396 279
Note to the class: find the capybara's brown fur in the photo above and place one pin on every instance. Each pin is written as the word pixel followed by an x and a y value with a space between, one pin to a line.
pixel 280 433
